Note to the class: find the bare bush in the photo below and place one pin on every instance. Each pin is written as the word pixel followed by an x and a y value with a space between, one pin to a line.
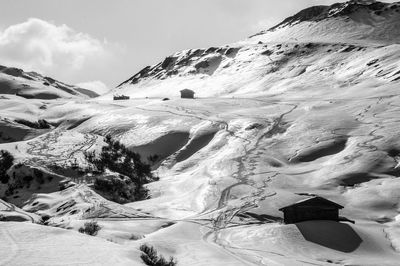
pixel 151 258
pixel 90 228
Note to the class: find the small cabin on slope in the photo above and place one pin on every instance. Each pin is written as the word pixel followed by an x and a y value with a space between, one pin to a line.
pixel 120 97
pixel 187 94
pixel 312 208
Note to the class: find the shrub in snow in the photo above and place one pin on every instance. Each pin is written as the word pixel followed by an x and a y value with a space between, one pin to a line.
pixel 116 189
pixel 90 228
pixel 153 158
pixel 117 158
pixel 38 175
pixel 135 237
pixel 151 258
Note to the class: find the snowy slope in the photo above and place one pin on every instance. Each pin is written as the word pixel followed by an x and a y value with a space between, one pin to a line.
pixel 77 203
pixel 368 22
pixel 268 69
pixel 33 85
pixel 28 244
pixel 9 212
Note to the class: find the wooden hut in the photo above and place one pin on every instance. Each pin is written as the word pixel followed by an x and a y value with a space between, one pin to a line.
pixel 187 94
pixel 120 97
pixel 312 208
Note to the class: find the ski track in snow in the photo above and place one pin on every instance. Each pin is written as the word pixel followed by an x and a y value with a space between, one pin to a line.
pixel 12 252
pixel 40 148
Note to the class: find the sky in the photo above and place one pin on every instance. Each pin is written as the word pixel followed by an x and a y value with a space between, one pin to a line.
pixel 100 43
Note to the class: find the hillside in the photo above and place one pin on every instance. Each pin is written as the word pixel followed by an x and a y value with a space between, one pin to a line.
pixel 359 22
pixel 32 85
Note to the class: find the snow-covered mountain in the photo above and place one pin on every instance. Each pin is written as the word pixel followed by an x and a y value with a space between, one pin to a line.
pixel 32 85
pixel 322 45
pixel 360 22
pixel 308 107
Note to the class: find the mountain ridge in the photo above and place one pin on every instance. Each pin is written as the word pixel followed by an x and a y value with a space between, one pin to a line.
pixel 367 22
pixel 34 85
pixel 317 13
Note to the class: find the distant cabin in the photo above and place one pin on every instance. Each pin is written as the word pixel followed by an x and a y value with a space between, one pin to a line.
pixel 312 208
pixel 120 97
pixel 187 94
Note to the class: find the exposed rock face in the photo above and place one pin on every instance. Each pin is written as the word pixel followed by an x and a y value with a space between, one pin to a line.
pixel 190 61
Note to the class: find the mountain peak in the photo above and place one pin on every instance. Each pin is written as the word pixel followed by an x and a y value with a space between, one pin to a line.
pixel 350 21
pixel 363 2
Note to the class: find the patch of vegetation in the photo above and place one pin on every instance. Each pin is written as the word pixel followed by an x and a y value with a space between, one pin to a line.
pixel 267 52
pixel 90 228
pixel 117 189
pixel 45 219
pixel 153 158
pixel 65 184
pixel 6 161
pixel 40 124
pixel 39 176
pixel 135 237
pixel 117 158
pixel 151 258
pixel 26 180
pixel 167 224
pixel 254 126
pixel 12 188
pixel 19 179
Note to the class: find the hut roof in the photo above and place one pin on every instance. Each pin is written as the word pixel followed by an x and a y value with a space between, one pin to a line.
pixel 186 90
pixel 313 200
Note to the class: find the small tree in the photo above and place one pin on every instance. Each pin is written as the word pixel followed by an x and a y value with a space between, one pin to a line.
pixel 151 258
pixel 90 228
pixel 117 158
pixel 116 189
pixel 39 175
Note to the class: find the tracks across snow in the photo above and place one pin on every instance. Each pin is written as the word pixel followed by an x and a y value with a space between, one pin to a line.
pixel 11 251
pixel 45 149
pixel 12 208
pixel 252 147
pixel 246 170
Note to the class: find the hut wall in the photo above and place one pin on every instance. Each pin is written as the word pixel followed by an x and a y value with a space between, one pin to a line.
pixel 305 213
pixel 187 94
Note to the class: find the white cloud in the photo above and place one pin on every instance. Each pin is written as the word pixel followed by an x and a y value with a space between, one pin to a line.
pixel 96 86
pixel 45 47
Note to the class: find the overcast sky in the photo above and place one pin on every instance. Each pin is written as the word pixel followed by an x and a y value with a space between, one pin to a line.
pixel 95 41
